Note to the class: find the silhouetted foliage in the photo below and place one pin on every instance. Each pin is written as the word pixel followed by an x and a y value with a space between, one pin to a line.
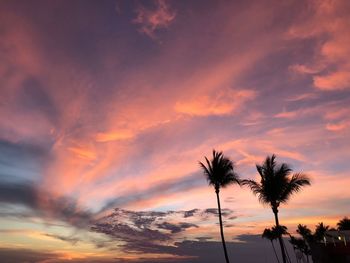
pixel 301 245
pixel 305 232
pixel 276 186
pixel 344 224
pixel 271 235
pixel 220 173
pixel 320 231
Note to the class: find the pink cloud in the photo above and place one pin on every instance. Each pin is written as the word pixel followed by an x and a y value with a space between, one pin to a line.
pixel 301 97
pixel 334 81
pixel 328 22
pixel 222 102
pixel 286 114
pixel 151 20
pixel 337 126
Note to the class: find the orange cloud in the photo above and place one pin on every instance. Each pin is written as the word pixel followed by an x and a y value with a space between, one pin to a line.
pixel 337 126
pixel 334 81
pixel 222 102
pixel 114 136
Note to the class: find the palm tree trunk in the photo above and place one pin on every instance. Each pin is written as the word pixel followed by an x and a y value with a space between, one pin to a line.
pixel 275 212
pixel 274 250
pixel 221 227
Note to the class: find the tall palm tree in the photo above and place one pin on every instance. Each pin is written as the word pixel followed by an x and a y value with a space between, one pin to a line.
pixel 276 186
pixel 270 235
pixel 220 173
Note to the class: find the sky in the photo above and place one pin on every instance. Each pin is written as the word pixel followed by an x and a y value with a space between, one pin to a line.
pixel 107 107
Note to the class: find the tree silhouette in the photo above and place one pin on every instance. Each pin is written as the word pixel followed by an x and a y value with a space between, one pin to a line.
pixel 220 173
pixel 300 244
pixel 304 244
pixel 276 187
pixel 320 231
pixel 344 224
pixel 270 235
pixel 305 232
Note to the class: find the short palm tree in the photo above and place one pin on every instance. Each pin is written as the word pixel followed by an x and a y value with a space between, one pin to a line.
pixel 276 186
pixel 305 232
pixel 270 235
pixel 220 173
pixel 300 245
pixel 320 232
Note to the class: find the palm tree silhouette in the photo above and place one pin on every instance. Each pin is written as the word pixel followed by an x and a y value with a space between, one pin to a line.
pixel 320 231
pixel 305 232
pixel 344 224
pixel 276 187
pixel 304 244
pixel 300 244
pixel 270 235
pixel 220 173
pixel 279 231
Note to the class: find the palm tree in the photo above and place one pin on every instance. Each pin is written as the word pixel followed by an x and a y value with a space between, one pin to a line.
pixel 276 187
pixel 279 231
pixel 220 173
pixel 320 231
pixel 344 224
pixel 304 244
pixel 300 244
pixel 270 235
pixel 305 232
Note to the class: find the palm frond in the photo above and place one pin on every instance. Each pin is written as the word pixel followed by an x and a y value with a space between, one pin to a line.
pixel 294 185
pixel 276 185
pixel 219 171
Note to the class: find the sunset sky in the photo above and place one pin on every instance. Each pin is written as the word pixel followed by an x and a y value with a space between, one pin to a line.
pixel 107 107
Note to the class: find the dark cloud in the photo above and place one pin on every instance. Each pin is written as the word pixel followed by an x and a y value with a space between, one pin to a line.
pixel 12 153
pixel 190 212
pixel 71 239
pixel 43 204
pixel 153 231
pixel 175 228
pixel 224 212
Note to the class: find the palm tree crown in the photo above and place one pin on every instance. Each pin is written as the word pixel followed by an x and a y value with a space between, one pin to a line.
pixel 277 184
pixel 305 232
pixel 344 224
pixel 219 171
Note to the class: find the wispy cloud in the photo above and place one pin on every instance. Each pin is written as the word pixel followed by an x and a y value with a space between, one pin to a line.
pixel 222 102
pixel 326 22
